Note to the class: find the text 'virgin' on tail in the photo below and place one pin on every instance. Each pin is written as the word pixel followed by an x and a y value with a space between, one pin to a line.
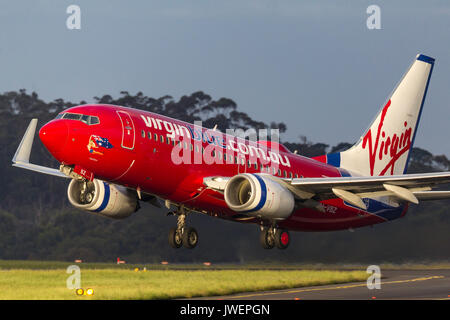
pixel 385 147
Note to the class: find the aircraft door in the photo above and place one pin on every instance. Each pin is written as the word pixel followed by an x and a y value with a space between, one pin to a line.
pixel 128 130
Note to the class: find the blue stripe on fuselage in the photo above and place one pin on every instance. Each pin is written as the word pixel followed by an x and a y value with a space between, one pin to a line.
pixel 344 173
pixel 334 159
pixel 381 209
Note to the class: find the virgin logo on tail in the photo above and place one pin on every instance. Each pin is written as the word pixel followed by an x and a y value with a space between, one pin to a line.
pixel 386 146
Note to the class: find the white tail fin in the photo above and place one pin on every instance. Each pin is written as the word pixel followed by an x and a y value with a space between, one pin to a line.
pixel 385 147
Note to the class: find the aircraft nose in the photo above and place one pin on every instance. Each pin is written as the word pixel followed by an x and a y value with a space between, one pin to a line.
pixel 54 136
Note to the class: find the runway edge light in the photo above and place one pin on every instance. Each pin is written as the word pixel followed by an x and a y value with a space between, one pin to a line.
pixel 89 292
pixel 79 291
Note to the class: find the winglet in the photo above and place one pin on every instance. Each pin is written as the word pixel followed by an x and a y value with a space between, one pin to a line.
pixel 21 158
pixel 24 150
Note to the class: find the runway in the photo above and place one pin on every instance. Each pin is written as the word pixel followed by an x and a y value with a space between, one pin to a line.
pixel 395 285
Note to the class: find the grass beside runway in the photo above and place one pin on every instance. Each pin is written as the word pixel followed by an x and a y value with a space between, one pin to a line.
pixel 125 283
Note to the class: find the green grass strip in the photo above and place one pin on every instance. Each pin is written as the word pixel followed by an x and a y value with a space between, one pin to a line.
pixel 114 283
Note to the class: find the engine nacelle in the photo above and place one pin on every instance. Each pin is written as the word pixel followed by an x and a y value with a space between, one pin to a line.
pixel 256 195
pixel 101 198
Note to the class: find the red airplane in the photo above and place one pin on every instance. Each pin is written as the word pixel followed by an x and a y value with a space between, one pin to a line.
pixel 117 156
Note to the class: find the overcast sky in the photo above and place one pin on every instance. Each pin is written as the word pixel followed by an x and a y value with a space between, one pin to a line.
pixel 311 64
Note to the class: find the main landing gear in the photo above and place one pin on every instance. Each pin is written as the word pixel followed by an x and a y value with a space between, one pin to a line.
pixel 272 237
pixel 182 235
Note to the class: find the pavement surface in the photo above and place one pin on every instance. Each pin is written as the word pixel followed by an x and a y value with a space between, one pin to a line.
pixel 395 284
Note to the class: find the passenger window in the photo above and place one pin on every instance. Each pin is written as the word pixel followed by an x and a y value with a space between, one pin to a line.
pixel 149 134
pixel 143 133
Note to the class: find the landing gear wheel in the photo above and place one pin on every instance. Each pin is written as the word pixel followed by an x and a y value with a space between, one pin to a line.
pixel 282 238
pixel 266 238
pixel 190 238
pixel 175 238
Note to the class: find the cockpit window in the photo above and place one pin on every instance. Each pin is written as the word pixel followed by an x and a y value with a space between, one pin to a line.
pixel 94 120
pixel 72 116
pixel 89 120
pixel 84 118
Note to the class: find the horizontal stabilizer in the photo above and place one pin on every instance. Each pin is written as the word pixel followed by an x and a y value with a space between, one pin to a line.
pixel 432 195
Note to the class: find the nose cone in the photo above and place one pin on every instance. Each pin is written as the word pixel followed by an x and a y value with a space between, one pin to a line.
pixel 54 136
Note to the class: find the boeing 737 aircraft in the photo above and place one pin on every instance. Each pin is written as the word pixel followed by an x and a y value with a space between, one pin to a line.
pixel 116 157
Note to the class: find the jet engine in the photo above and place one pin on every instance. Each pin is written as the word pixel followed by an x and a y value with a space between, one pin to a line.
pixel 260 196
pixel 101 198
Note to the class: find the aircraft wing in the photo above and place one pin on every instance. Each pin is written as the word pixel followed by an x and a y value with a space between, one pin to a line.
pixel 406 187
pixel 370 184
pixel 21 158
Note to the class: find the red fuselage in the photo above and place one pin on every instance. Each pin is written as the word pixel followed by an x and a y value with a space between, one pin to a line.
pixel 170 158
